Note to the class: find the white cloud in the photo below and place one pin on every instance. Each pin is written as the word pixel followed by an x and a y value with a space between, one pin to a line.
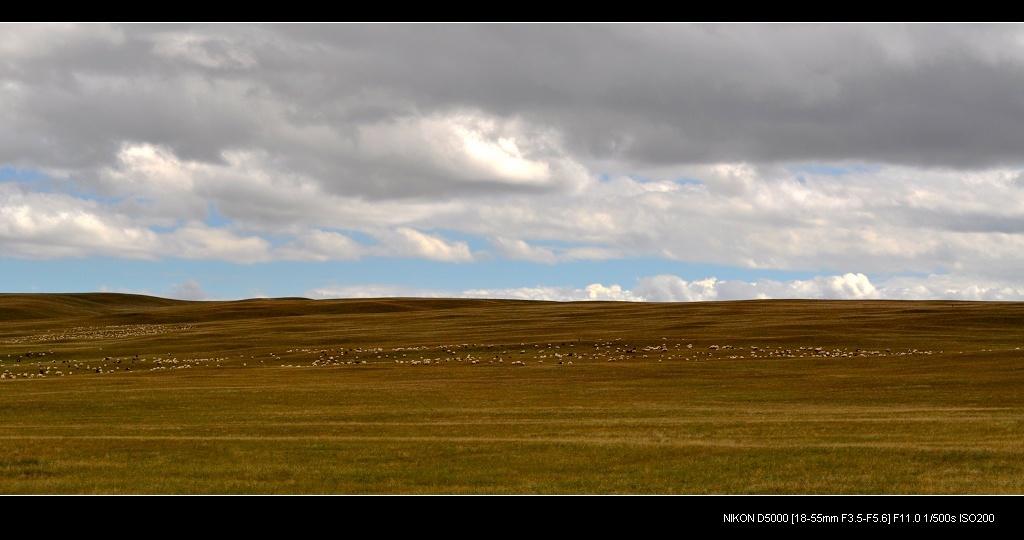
pixel 518 249
pixel 317 245
pixel 407 242
pixel 854 286
pixel 597 291
pixel 882 220
pixel 198 241
pixel 499 158
pixel 190 290
pixel 472 147
pixel 667 288
pixel 670 288
pixel 151 167
pixel 594 291
pixel 558 294
pixel 849 286
pixel 521 250
pixel 952 287
pixel 375 291
pixel 761 147
pixel 44 225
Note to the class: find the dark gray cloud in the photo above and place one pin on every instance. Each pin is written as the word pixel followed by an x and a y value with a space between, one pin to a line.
pixel 552 142
pixel 918 94
pixel 645 94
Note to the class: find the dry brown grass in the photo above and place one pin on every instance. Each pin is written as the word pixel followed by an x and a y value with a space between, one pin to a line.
pixel 242 397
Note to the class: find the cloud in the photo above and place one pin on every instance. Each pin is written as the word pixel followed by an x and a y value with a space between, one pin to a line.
pixel 25 42
pixel 511 105
pixel 190 290
pixel 198 241
pixel 45 225
pixel 407 242
pixel 953 287
pixel 849 286
pixel 317 245
pixel 375 291
pixel 521 250
pixel 466 151
pixel 205 49
pixel 670 288
pixel 518 249
pixel 667 288
pixel 662 288
pixel 878 219
pixel 595 291
pixel 888 149
pixel 856 286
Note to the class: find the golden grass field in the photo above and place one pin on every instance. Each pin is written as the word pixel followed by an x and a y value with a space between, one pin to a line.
pixel 126 394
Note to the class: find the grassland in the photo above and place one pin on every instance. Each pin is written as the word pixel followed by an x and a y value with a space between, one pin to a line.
pixel 124 394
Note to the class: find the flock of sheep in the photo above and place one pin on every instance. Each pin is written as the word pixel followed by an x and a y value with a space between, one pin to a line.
pixel 43 364
pixel 101 332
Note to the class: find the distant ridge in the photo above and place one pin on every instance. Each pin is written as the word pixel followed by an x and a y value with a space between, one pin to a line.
pixel 27 306
pixel 122 308
pixel 452 317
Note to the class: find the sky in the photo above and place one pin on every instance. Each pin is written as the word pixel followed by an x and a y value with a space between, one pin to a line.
pixel 633 162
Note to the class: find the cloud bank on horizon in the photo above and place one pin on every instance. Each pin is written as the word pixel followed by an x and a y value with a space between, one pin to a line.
pixel 814 160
